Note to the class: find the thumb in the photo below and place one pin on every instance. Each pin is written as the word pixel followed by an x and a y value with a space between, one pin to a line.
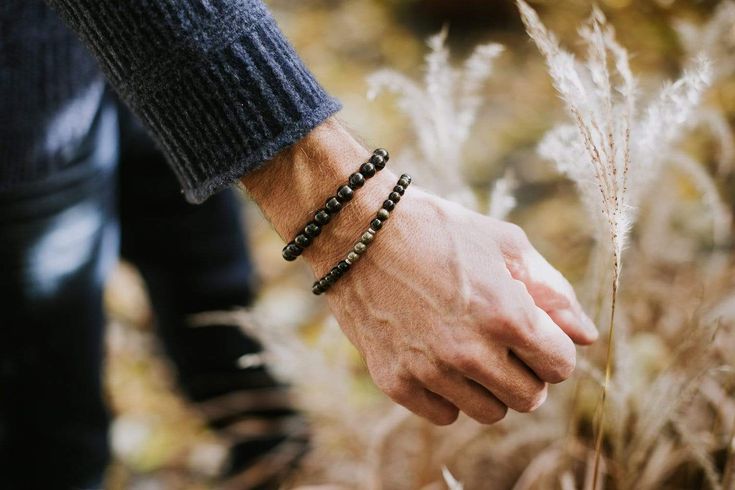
pixel 551 292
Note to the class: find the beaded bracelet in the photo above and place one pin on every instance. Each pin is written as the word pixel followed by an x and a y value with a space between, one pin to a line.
pixel 366 239
pixel 333 205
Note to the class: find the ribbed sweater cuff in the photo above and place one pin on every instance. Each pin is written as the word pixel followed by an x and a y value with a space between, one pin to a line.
pixel 222 91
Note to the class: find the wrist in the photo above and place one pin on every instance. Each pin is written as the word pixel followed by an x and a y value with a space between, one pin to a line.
pixel 294 184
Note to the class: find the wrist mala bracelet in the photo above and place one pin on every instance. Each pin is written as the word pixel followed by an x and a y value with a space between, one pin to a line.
pixel 322 285
pixel 333 205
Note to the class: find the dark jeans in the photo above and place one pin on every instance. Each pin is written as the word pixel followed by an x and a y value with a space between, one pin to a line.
pixel 58 241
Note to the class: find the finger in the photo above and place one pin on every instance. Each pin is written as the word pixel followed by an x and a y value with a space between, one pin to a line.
pixel 466 394
pixel 552 293
pixel 505 376
pixel 536 340
pixel 414 397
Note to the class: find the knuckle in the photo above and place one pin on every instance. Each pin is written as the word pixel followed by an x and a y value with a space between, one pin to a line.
pixel 532 399
pixel 563 369
pixel 445 416
pixel 492 415
pixel 464 360
pixel 392 385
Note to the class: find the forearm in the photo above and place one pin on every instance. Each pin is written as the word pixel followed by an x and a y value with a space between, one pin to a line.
pixel 293 185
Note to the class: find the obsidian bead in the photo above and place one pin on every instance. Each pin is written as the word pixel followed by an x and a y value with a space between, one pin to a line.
pixel 399 189
pixel 336 272
pixel 382 214
pixel 322 217
pixel 291 251
pixel 333 205
pixel 345 193
pixel 356 180
pixel 388 205
pixel 302 240
pixel 383 153
pixel 394 196
pixel 404 180
pixel 323 284
pixel 312 230
pixel 343 266
pixel 376 224
pixel 316 289
pixel 378 161
pixel 367 169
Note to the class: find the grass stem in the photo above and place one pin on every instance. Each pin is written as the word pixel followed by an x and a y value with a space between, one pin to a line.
pixel 608 371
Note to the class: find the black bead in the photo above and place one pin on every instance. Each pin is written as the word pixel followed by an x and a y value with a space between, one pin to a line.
pixel 291 251
pixel 383 153
pixel 333 205
pixel 336 272
pixel 302 240
pixel 394 196
pixel 322 217
pixel 383 214
pixel 367 169
pixel 399 189
pixel 312 230
pixel 378 161
pixel 357 180
pixel 376 224
pixel 316 289
pixel 343 266
pixel 345 193
pixel 323 284
pixel 329 279
pixel 404 180
pixel 388 205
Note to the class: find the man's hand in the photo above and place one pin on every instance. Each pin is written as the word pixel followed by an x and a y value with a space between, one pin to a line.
pixel 451 310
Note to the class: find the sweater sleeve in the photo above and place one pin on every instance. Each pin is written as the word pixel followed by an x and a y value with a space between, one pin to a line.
pixel 214 81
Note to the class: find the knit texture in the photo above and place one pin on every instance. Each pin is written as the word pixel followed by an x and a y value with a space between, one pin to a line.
pixel 50 91
pixel 214 81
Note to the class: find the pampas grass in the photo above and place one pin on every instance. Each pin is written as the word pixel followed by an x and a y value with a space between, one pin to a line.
pixel 610 151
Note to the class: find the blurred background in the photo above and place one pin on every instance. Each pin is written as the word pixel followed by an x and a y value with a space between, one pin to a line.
pixel 161 443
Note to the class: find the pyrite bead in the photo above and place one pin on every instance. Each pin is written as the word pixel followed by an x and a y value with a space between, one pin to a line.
pixel 352 257
pixel 302 240
pixel 383 153
pixel 333 205
pixel 376 224
pixel 378 161
pixel 399 189
pixel 388 205
pixel 356 180
pixel 367 237
pixel 359 248
pixel 394 196
pixel 404 180
pixel 367 169
pixel 322 217
pixel 345 193
pixel 312 230
pixel 382 214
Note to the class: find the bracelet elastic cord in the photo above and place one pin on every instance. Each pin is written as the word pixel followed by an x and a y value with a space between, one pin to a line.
pixel 323 284
pixel 334 204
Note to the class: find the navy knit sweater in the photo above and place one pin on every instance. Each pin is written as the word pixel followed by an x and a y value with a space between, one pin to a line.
pixel 214 81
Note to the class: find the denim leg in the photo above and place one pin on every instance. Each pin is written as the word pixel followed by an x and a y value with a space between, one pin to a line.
pixel 58 241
